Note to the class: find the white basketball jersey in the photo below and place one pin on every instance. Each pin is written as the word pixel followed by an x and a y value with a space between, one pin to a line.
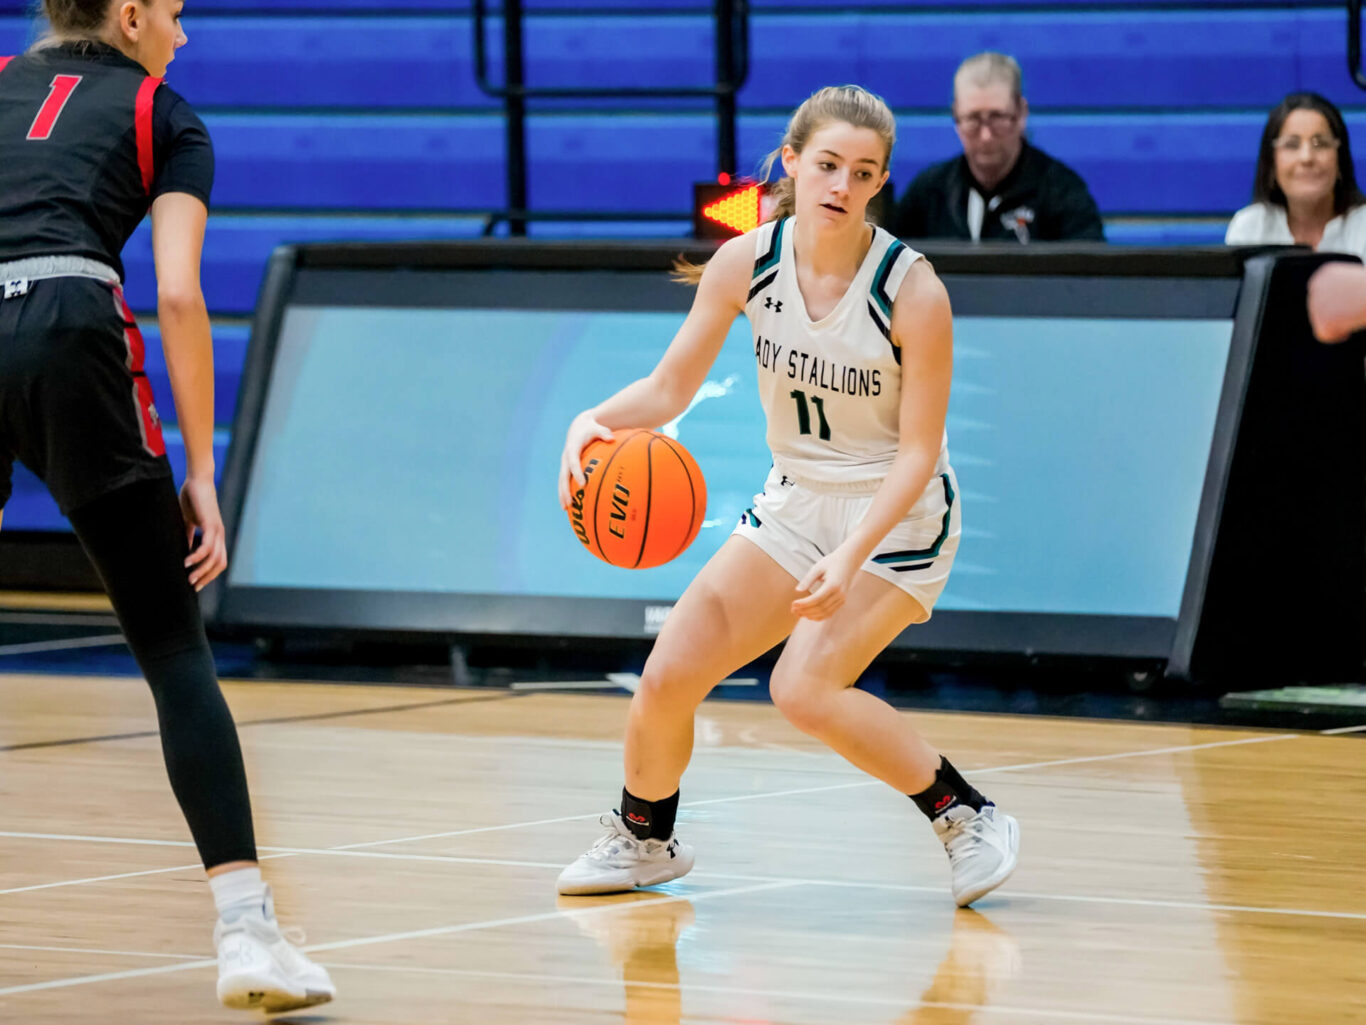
pixel 831 389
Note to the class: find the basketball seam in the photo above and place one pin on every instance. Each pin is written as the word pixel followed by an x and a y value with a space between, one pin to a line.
pixel 649 497
pixel 692 495
pixel 605 466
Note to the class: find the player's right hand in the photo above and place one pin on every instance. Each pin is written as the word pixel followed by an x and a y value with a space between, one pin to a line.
pixel 1337 301
pixel 581 431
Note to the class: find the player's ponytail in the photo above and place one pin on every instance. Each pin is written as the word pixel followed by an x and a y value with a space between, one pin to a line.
pixel 849 104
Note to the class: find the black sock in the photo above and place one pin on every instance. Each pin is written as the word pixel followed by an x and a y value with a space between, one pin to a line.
pixel 649 820
pixel 948 790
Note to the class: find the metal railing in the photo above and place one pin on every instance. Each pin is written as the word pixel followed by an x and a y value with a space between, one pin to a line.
pixel 1354 42
pixel 732 70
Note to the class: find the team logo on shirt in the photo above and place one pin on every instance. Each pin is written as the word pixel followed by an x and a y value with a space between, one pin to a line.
pixel 1018 221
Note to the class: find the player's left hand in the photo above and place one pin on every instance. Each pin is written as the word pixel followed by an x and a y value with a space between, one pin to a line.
pixel 199 506
pixel 827 585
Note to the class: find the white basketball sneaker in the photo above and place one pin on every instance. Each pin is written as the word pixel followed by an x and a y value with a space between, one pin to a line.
pixel 983 848
pixel 260 970
pixel 620 861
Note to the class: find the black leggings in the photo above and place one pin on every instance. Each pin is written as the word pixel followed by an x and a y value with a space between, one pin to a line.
pixel 135 537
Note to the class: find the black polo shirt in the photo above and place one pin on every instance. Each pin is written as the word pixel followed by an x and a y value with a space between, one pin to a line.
pixel 1040 200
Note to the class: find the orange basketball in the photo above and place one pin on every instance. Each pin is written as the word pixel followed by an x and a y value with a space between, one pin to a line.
pixel 642 501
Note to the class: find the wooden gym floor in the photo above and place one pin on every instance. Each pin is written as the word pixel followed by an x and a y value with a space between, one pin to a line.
pixel 1168 874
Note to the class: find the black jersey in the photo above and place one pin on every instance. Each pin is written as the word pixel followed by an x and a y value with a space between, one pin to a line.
pixel 87 140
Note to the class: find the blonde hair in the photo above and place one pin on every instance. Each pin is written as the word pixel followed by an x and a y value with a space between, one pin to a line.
pixel 835 104
pixel 73 21
pixel 990 68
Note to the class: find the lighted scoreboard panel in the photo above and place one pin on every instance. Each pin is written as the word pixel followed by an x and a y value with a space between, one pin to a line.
pixel 723 210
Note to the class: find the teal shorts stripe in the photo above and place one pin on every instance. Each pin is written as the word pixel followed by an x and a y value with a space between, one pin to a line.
pixel 892 560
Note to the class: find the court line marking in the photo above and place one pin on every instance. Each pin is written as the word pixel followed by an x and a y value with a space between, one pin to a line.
pixel 862 781
pixel 369 941
pixel 342 848
pixel 101 879
pixel 1344 729
pixel 556 866
pixel 785 994
pixel 473 699
pixel 71 643
pixel 97 950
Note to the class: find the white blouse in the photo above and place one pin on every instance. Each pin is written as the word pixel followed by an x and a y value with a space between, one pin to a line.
pixel 1267 224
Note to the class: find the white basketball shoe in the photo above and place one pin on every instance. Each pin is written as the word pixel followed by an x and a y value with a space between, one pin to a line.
pixel 983 848
pixel 260 970
pixel 621 861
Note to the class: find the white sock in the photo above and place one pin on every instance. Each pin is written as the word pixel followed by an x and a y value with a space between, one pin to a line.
pixel 238 892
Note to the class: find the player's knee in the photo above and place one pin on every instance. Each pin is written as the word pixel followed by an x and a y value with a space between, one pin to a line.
pixel 665 683
pixel 800 703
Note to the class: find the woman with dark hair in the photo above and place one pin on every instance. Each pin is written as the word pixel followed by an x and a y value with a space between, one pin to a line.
pixel 90 142
pixel 1305 192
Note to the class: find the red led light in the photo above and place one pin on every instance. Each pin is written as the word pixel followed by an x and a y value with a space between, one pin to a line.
pixel 738 211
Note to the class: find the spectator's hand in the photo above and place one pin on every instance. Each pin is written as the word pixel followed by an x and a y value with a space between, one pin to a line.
pixel 1337 301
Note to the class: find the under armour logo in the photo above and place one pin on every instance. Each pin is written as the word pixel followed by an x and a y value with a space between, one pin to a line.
pixel 776 305
pixel 14 289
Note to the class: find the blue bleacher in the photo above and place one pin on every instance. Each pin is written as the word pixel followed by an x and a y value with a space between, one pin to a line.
pixel 333 121
pixel 236 248
pixel 1148 59
pixel 1167 163
pixel 32 508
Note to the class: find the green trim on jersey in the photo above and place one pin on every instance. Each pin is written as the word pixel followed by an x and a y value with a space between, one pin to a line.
pixel 884 271
pixel 932 552
pixel 769 260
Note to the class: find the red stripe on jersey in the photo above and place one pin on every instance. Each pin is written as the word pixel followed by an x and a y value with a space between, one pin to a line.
pixel 143 117
pixel 149 423
pixel 4 61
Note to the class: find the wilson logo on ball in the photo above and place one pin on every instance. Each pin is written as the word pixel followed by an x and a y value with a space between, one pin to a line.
pixel 576 505
pixel 643 499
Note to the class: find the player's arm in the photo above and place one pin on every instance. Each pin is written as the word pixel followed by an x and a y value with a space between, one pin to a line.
pixel 178 221
pixel 666 391
pixel 922 326
pixel 1337 300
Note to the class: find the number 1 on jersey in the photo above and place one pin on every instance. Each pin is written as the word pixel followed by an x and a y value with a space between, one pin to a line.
pixel 804 416
pixel 62 88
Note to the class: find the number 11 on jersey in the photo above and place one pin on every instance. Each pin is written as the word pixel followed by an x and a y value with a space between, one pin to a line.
pixel 804 415
pixel 62 88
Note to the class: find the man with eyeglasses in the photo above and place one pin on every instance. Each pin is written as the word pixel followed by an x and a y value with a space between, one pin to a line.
pixel 1001 188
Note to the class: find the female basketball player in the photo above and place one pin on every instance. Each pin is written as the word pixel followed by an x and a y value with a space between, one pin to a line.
pixel 89 141
pixel 853 536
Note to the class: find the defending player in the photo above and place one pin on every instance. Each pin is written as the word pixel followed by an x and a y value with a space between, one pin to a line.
pixel 90 140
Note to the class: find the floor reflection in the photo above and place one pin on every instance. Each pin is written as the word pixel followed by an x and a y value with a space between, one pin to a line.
pixel 981 957
pixel 641 939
